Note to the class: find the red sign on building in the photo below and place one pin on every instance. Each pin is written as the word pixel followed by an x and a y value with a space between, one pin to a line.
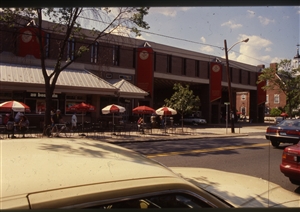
pixel 28 42
pixel 144 69
pixel 261 93
pixel 215 81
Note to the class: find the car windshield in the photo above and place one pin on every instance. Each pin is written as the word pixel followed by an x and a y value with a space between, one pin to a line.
pixel 290 122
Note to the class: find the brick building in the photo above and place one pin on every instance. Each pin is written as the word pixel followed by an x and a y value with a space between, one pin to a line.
pixel 149 69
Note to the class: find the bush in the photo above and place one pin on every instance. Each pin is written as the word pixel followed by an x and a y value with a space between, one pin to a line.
pixel 275 112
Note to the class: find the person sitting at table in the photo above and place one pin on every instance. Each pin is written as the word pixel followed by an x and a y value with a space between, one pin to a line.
pixel 140 123
pixel 10 127
pixel 23 124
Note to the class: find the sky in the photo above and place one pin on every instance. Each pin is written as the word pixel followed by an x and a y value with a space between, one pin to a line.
pixel 273 31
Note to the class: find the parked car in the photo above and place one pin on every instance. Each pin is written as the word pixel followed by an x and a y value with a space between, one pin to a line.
pixel 287 131
pixel 278 120
pixel 53 173
pixel 194 120
pixel 290 165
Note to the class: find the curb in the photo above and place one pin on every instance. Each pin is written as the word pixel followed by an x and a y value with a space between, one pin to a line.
pixel 114 140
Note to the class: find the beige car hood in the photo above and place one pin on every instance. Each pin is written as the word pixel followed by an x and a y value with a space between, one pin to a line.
pixel 240 190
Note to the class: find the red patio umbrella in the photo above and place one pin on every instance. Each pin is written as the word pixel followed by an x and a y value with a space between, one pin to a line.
pixel 82 107
pixel 15 106
pixel 143 110
pixel 284 114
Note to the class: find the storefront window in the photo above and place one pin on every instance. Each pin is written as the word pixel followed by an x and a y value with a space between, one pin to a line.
pixel 40 106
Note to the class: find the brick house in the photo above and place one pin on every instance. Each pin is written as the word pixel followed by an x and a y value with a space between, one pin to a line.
pixel 274 98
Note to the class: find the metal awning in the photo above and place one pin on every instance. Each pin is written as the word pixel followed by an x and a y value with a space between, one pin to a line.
pixel 30 78
pixel 127 89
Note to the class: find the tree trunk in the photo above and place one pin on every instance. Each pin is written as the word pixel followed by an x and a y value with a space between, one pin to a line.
pixel 49 93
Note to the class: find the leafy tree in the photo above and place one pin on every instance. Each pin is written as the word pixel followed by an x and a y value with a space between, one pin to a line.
pixel 275 112
pixel 286 79
pixel 183 100
pixel 68 22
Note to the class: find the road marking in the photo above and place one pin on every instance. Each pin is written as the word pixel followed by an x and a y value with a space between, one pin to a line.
pixel 205 150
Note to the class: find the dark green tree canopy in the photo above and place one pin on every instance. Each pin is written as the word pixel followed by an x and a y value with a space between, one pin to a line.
pixel 285 79
pixel 183 100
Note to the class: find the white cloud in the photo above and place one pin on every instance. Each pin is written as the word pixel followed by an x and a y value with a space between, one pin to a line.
pixel 203 40
pixel 265 21
pixel 207 49
pixel 168 11
pixel 250 51
pixel 231 25
pixel 251 13
pixel 268 49
pixel 276 60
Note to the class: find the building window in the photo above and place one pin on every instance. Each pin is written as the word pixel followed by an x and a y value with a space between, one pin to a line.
pixel 183 72
pixel 116 52
pixel 169 63
pixel 197 68
pixel 94 52
pixel 71 49
pixel 276 98
pixel 243 97
pixel 249 78
pixel 134 58
pixel 240 75
pixel 267 98
pixel 47 45
pixel 154 61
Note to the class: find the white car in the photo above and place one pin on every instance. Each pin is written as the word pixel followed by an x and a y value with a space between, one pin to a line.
pixel 51 173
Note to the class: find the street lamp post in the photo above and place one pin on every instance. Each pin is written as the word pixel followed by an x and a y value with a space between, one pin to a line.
pixel 229 81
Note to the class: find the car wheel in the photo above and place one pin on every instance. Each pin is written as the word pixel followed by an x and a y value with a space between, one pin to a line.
pixel 275 143
pixel 294 181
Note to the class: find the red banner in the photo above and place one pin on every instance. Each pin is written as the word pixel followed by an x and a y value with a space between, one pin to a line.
pixel 144 69
pixel 261 93
pixel 28 42
pixel 215 81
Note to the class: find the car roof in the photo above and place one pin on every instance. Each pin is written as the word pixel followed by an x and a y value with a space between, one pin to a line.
pixel 49 164
pixel 44 169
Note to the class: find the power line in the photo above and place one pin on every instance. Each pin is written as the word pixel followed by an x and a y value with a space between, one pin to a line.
pixel 180 39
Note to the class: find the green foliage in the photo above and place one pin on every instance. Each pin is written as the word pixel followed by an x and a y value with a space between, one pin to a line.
pixel 183 100
pixel 286 80
pixel 275 112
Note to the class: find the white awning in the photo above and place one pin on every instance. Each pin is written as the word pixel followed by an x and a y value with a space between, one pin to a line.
pixel 30 78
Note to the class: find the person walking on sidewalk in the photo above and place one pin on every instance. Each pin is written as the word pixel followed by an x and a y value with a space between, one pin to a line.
pixel 74 121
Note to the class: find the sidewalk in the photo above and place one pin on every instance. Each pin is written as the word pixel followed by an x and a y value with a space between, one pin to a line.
pixel 176 133
pixel 188 132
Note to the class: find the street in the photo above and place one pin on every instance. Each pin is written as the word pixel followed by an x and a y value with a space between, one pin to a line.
pixel 250 155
